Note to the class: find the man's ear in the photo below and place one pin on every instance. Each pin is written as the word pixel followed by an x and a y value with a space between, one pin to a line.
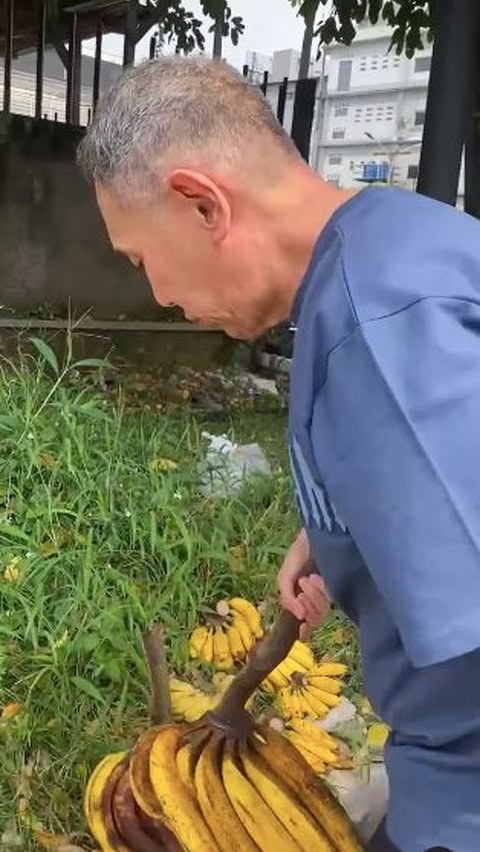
pixel 206 198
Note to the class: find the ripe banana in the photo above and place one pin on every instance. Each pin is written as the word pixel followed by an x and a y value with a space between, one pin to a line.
pixel 331 669
pixel 260 822
pixel 235 643
pixel 246 635
pixel 302 655
pixel 197 642
pixel 178 803
pixel 221 651
pixel 328 684
pixel 98 803
pixel 214 803
pixel 140 833
pixel 288 764
pixel 299 823
pixel 208 647
pixel 327 698
pixel 140 780
pixel 250 613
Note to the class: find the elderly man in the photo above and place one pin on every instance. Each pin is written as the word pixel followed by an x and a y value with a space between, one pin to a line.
pixel 199 185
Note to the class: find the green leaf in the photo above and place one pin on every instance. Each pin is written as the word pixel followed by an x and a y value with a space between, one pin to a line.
pixel 46 352
pixel 88 689
pixel 90 362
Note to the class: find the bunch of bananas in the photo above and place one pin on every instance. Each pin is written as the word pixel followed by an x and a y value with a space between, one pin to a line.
pixel 236 626
pixel 312 693
pixel 189 703
pixel 299 660
pixel 320 750
pixel 193 788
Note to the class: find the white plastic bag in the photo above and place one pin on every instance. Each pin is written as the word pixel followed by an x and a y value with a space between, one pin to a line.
pixel 227 466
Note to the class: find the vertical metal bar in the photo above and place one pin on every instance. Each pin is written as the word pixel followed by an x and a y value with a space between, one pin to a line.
pixel 71 70
pixel 282 99
pixel 449 94
pixel 245 70
pixel 42 24
pixel 303 114
pixel 472 143
pixel 7 68
pixel 218 40
pixel 129 42
pixel 264 85
pixel 97 65
pixel 153 47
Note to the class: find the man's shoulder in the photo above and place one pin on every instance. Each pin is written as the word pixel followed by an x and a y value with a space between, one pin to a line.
pixel 400 247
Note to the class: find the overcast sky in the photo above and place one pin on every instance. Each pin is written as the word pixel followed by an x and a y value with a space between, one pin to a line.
pixel 269 25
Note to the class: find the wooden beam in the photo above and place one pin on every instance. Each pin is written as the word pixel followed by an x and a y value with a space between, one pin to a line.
pixel 97 65
pixel 147 21
pixel 42 23
pixel 58 36
pixel 7 69
pixel 130 38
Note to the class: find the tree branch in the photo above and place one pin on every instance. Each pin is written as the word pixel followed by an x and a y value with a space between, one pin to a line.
pixel 156 658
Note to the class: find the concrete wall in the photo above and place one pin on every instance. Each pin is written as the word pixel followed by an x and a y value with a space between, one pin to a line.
pixel 53 248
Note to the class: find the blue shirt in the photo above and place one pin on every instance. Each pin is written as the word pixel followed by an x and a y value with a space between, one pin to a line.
pixel 385 451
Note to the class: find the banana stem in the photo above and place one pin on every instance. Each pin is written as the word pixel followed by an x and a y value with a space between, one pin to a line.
pixel 264 657
pixel 156 658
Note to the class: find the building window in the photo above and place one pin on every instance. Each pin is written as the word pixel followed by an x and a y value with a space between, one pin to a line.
pixel 334 161
pixel 338 134
pixel 363 63
pixel 412 173
pixel 344 75
pixel 419 118
pixel 341 111
pixel 422 64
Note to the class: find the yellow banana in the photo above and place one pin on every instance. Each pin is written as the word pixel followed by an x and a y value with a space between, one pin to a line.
pixel 320 752
pixel 304 833
pixel 331 669
pixel 181 686
pixel 246 635
pixel 207 651
pixel 257 818
pixel 182 759
pixel 278 679
pixel 221 651
pixel 315 795
pixel 313 732
pixel 288 667
pixel 302 654
pixel 140 780
pixel 97 800
pixel 250 613
pixel 178 803
pixel 325 697
pixel 317 708
pixel 197 642
pixel 235 643
pixel 328 684
pixel 315 762
pixel 214 803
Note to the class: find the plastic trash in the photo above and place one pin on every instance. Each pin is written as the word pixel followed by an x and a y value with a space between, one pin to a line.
pixel 227 466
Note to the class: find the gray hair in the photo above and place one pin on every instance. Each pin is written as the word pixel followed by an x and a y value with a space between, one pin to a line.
pixel 178 110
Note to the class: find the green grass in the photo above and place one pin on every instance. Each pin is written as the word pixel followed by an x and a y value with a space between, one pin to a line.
pixel 97 545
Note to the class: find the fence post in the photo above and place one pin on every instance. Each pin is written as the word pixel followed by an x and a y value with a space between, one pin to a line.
pixel 7 68
pixel 303 113
pixel 97 65
pixel 264 85
pixel 449 93
pixel 42 25
pixel 282 99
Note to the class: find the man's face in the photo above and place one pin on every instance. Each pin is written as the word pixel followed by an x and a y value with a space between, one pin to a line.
pixel 196 253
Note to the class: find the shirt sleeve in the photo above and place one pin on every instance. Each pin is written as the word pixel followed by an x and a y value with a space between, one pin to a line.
pixel 396 430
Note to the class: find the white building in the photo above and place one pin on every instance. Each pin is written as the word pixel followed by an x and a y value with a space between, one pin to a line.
pixel 370 109
pixel 373 112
